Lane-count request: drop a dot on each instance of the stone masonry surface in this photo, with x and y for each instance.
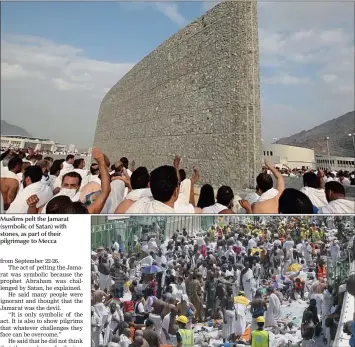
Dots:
(198, 96)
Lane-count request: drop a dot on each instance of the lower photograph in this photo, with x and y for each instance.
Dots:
(185, 281)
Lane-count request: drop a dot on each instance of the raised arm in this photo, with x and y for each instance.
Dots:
(194, 179)
(99, 203)
(176, 164)
(4, 155)
(32, 202)
(320, 174)
(133, 166)
(279, 177)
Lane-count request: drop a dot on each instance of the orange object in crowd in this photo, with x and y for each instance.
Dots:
(299, 285)
(247, 334)
(132, 333)
(321, 272)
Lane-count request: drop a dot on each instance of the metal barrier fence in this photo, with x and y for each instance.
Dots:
(347, 314)
(337, 273)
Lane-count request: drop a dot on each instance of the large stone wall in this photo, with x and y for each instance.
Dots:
(197, 95)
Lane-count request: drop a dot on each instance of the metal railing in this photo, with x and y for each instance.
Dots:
(336, 273)
(347, 313)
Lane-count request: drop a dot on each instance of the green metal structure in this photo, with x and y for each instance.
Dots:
(104, 229)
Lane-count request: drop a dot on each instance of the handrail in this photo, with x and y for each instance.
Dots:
(347, 313)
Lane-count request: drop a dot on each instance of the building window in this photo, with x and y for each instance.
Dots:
(271, 153)
(264, 152)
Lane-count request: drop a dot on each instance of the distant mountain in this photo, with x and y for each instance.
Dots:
(10, 129)
(337, 129)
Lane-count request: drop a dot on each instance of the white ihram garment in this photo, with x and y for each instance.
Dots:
(157, 322)
(110, 327)
(165, 326)
(273, 312)
(214, 209)
(137, 194)
(269, 194)
(148, 205)
(6, 173)
(182, 204)
(105, 281)
(326, 306)
(317, 196)
(66, 168)
(247, 284)
(95, 329)
(115, 197)
(230, 326)
(338, 206)
(83, 173)
(252, 198)
(241, 322)
(43, 192)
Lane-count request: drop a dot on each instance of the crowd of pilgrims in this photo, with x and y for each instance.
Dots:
(225, 286)
(33, 184)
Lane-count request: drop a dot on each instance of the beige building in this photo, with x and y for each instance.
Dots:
(43, 145)
(289, 156)
(335, 163)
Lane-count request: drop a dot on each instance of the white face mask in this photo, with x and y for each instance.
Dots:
(68, 192)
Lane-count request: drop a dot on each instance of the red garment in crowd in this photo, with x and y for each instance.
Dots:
(204, 250)
(154, 285)
(321, 272)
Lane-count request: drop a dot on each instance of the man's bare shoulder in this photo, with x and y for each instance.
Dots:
(124, 206)
(267, 206)
(9, 183)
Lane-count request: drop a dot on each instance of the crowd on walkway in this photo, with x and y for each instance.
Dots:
(260, 281)
(31, 183)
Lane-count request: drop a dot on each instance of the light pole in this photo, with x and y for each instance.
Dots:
(353, 137)
(327, 139)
